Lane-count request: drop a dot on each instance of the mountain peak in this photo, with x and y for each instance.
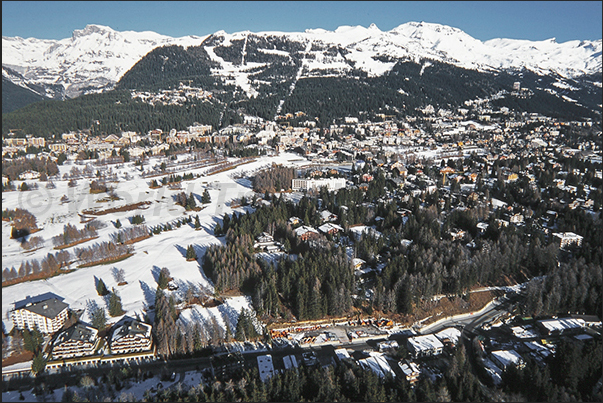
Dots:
(91, 29)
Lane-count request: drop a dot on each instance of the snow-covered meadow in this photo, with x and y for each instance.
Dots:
(166, 249)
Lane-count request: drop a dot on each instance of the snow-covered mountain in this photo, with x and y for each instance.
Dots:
(92, 60)
(95, 58)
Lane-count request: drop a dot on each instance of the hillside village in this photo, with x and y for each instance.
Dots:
(477, 158)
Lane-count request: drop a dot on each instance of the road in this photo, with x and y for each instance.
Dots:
(224, 362)
(470, 321)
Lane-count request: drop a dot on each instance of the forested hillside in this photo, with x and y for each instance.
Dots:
(15, 97)
(114, 110)
(278, 75)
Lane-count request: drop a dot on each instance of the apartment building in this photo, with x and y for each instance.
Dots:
(47, 315)
(131, 336)
(77, 341)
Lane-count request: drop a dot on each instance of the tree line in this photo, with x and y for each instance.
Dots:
(12, 168)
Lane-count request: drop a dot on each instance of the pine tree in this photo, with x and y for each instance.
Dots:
(190, 253)
(38, 364)
(164, 278)
(190, 202)
(115, 307)
(205, 198)
(197, 223)
(99, 319)
(101, 288)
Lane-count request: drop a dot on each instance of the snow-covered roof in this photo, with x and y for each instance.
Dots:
(451, 333)
(290, 361)
(426, 342)
(524, 332)
(325, 228)
(303, 229)
(409, 369)
(342, 353)
(561, 324)
(506, 357)
(377, 363)
(265, 366)
(493, 370)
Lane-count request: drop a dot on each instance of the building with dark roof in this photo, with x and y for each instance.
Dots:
(131, 336)
(77, 341)
(47, 315)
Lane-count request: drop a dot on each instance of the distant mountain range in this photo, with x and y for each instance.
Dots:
(268, 64)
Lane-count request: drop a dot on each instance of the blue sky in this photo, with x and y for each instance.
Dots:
(533, 20)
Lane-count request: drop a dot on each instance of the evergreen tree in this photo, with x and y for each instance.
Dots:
(32, 340)
(205, 198)
(164, 278)
(115, 307)
(99, 319)
(190, 253)
(101, 288)
(38, 364)
(190, 202)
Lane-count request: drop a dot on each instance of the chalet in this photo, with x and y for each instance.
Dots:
(327, 216)
(155, 135)
(330, 228)
(305, 233)
(112, 138)
(457, 234)
(294, 220)
(77, 341)
(131, 336)
(47, 315)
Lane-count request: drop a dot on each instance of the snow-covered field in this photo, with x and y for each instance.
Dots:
(133, 391)
(166, 249)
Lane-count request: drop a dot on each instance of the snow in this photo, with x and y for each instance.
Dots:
(95, 55)
(377, 363)
(99, 55)
(131, 387)
(166, 249)
(506, 357)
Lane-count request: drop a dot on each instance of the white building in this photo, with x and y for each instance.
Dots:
(558, 326)
(309, 184)
(503, 358)
(424, 346)
(567, 238)
(48, 315)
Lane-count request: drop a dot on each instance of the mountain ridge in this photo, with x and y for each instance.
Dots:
(96, 57)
